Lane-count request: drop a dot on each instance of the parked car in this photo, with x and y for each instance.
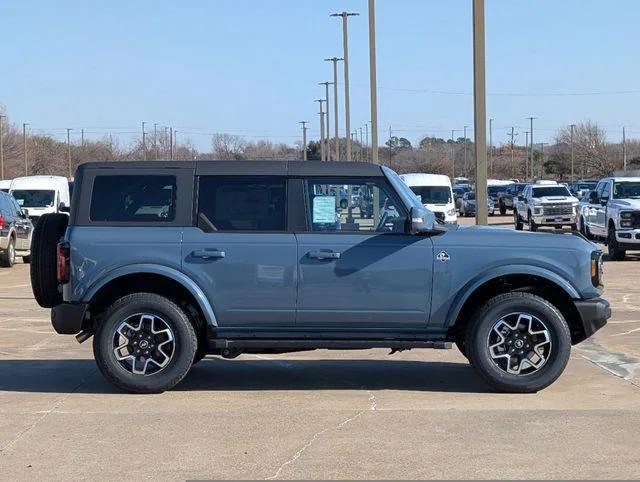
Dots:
(511, 193)
(435, 193)
(5, 184)
(15, 232)
(582, 187)
(545, 203)
(613, 215)
(468, 205)
(38, 195)
(494, 192)
(583, 213)
(165, 262)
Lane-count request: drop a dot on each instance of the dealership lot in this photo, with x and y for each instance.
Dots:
(320, 414)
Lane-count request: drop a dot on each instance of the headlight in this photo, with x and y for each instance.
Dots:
(597, 273)
(625, 215)
(537, 209)
(451, 212)
(626, 224)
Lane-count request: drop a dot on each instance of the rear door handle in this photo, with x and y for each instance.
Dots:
(208, 254)
(323, 255)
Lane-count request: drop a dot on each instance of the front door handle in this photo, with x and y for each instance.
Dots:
(323, 255)
(208, 254)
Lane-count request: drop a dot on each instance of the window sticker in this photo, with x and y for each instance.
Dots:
(324, 209)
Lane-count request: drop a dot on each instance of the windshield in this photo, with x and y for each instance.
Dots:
(471, 196)
(34, 198)
(4, 189)
(493, 190)
(626, 190)
(586, 186)
(433, 194)
(550, 191)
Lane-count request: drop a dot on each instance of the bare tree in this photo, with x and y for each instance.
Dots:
(593, 157)
(228, 146)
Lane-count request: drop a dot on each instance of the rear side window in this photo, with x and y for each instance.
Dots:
(242, 204)
(133, 199)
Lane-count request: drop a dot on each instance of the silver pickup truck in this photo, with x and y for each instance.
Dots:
(163, 263)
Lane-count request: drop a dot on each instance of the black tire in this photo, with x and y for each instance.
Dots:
(343, 203)
(615, 251)
(43, 270)
(200, 355)
(503, 209)
(26, 259)
(574, 227)
(533, 227)
(477, 342)
(185, 343)
(8, 256)
(517, 221)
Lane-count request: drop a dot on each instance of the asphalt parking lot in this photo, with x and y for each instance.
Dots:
(321, 414)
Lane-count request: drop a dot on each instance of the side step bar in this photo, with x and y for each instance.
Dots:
(221, 343)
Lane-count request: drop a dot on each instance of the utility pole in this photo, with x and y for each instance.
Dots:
(480, 111)
(155, 139)
(1, 147)
(531, 119)
(345, 43)
(490, 146)
(541, 168)
(304, 139)
(573, 126)
(24, 148)
(624, 148)
(326, 137)
(336, 138)
(174, 144)
(373, 83)
(466, 169)
(513, 164)
(453, 154)
(321, 114)
(361, 143)
(390, 146)
(69, 151)
(144, 142)
(366, 141)
(171, 143)
(82, 137)
(526, 150)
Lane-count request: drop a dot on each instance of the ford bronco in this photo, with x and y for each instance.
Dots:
(164, 263)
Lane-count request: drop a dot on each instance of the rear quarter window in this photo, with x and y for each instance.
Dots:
(133, 198)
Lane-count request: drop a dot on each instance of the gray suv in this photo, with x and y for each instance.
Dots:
(166, 262)
(15, 232)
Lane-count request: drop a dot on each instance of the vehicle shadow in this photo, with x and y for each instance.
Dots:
(217, 374)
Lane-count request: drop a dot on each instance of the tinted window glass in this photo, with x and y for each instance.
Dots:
(133, 199)
(551, 191)
(34, 198)
(242, 204)
(626, 190)
(433, 194)
(333, 206)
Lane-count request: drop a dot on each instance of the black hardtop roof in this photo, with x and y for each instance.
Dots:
(256, 168)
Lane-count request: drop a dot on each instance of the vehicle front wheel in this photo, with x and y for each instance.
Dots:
(615, 251)
(518, 342)
(503, 209)
(144, 343)
(533, 227)
(8, 256)
(343, 204)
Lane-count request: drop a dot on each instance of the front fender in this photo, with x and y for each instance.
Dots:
(161, 270)
(466, 291)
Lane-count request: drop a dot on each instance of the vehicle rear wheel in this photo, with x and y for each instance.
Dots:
(615, 251)
(145, 343)
(517, 221)
(343, 204)
(518, 342)
(503, 209)
(533, 227)
(8, 256)
(44, 277)
(26, 259)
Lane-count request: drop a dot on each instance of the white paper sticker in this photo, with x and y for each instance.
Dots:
(324, 209)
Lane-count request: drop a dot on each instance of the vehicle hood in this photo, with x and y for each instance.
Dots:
(555, 199)
(626, 203)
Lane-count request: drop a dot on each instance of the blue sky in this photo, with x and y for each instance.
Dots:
(251, 67)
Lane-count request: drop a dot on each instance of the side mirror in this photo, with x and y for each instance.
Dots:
(520, 197)
(24, 212)
(63, 208)
(423, 221)
(593, 197)
(604, 201)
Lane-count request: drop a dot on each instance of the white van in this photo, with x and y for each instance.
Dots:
(434, 191)
(40, 195)
(5, 185)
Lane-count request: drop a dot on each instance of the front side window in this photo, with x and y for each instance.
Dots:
(34, 198)
(130, 198)
(626, 190)
(333, 206)
(432, 194)
(242, 203)
(606, 192)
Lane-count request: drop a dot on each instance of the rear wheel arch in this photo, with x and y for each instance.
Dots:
(560, 296)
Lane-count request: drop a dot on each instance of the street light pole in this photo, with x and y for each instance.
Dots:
(144, 142)
(526, 150)
(24, 147)
(1, 147)
(466, 169)
(490, 146)
(304, 139)
(345, 44)
(326, 137)
(624, 148)
(321, 113)
(155, 139)
(453, 154)
(69, 151)
(480, 111)
(531, 119)
(366, 141)
(572, 126)
(373, 83)
(336, 139)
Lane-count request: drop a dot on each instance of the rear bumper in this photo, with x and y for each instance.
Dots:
(594, 314)
(68, 318)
